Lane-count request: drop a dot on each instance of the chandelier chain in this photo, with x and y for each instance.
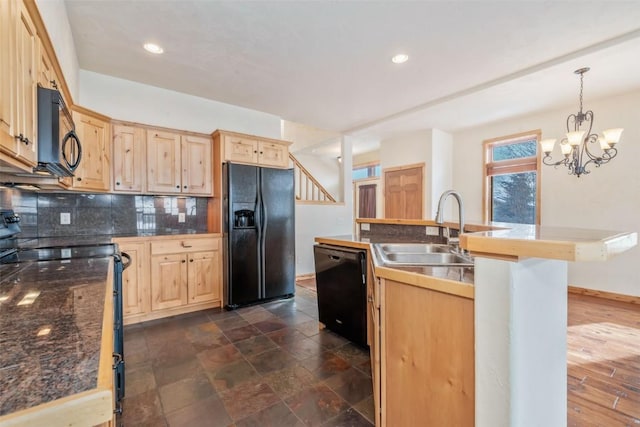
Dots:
(581, 88)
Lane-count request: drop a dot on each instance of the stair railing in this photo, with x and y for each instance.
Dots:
(308, 189)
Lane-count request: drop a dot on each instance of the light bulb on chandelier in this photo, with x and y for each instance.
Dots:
(575, 146)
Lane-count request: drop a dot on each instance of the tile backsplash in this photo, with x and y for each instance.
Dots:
(100, 214)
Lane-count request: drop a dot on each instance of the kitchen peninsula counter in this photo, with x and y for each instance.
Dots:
(56, 342)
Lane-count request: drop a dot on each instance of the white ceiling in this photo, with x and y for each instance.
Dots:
(327, 63)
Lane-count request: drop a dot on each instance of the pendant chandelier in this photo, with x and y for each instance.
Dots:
(575, 146)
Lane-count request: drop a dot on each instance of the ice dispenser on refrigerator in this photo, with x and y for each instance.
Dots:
(244, 218)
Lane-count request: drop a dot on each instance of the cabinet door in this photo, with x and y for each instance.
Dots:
(46, 74)
(163, 162)
(270, 154)
(135, 283)
(239, 149)
(196, 165)
(94, 169)
(168, 281)
(7, 69)
(128, 162)
(204, 276)
(24, 103)
(428, 373)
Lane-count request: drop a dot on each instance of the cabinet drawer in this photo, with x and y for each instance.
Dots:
(184, 245)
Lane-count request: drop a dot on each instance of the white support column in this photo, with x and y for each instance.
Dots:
(521, 343)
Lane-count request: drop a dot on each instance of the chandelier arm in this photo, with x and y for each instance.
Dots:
(592, 139)
(547, 160)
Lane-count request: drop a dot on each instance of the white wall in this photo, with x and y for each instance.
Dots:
(324, 169)
(440, 174)
(137, 102)
(608, 198)
(54, 16)
(324, 220)
(368, 157)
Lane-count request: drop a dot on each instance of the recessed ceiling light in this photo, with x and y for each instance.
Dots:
(400, 58)
(153, 48)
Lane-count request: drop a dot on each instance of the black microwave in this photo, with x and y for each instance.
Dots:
(59, 149)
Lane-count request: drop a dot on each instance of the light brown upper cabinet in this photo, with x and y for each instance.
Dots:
(47, 76)
(128, 158)
(254, 150)
(179, 163)
(8, 144)
(196, 162)
(94, 132)
(403, 192)
(18, 81)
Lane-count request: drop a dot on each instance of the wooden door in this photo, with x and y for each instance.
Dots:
(203, 281)
(197, 177)
(403, 193)
(427, 373)
(128, 162)
(239, 149)
(7, 76)
(168, 281)
(135, 280)
(24, 102)
(94, 170)
(163, 162)
(270, 154)
(367, 201)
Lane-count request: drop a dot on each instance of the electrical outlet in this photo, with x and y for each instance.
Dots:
(365, 227)
(433, 231)
(65, 218)
(181, 217)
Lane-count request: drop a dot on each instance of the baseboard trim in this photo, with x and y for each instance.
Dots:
(307, 276)
(605, 295)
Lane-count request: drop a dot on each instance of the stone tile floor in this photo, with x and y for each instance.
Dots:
(266, 365)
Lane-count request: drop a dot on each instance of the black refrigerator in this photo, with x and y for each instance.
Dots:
(260, 234)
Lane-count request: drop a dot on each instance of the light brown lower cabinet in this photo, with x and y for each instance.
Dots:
(426, 357)
(135, 279)
(171, 276)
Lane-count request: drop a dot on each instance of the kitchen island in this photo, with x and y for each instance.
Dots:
(519, 315)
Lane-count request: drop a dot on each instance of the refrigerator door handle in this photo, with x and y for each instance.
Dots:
(259, 225)
(264, 222)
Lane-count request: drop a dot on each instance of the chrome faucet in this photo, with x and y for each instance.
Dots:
(440, 214)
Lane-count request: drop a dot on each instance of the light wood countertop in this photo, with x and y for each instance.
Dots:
(547, 242)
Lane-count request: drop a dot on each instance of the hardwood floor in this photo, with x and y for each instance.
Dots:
(603, 363)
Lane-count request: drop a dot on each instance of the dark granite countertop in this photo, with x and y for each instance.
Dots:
(51, 316)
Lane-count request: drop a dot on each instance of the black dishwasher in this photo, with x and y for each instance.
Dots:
(342, 291)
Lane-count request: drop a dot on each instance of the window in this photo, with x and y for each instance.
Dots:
(512, 179)
(366, 171)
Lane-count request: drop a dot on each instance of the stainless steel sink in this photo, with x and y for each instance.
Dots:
(414, 248)
(421, 254)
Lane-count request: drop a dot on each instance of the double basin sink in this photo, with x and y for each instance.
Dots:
(420, 254)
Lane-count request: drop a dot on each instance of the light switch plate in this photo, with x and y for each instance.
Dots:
(433, 231)
(181, 217)
(65, 218)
